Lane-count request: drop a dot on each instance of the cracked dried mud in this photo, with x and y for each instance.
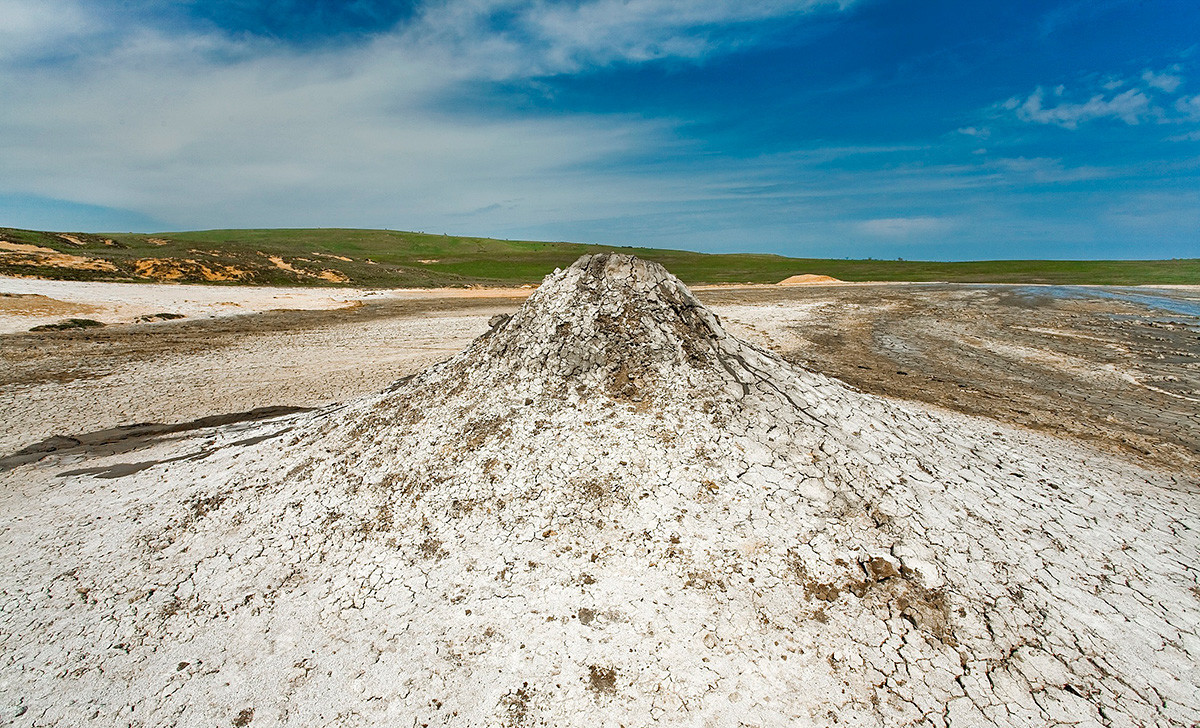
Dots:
(614, 508)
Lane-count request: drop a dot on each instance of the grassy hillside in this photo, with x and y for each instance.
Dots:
(385, 258)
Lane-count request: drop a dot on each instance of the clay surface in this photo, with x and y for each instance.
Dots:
(607, 510)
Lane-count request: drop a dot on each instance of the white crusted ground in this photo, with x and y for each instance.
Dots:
(606, 512)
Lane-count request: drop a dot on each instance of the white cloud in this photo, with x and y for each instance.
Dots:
(1130, 106)
(203, 129)
(1043, 171)
(1167, 82)
(1145, 99)
(31, 29)
(540, 37)
(1189, 106)
(602, 31)
(905, 227)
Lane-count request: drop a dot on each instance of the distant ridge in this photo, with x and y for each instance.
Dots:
(394, 259)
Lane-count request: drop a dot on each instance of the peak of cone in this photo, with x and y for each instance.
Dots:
(620, 271)
(610, 321)
(611, 281)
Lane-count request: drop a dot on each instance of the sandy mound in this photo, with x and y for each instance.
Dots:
(606, 511)
(806, 279)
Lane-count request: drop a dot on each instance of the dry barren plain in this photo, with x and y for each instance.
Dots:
(1118, 368)
(619, 504)
(612, 502)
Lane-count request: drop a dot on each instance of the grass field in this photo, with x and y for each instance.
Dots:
(386, 258)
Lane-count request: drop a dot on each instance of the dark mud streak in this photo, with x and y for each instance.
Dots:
(120, 470)
(128, 438)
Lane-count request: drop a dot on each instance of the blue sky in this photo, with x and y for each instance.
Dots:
(853, 128)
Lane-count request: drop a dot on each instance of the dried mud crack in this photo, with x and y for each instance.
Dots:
(606, 511)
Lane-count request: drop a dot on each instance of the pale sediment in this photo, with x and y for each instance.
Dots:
(607, 511)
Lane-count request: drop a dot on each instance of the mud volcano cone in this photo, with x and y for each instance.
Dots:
(609, 511)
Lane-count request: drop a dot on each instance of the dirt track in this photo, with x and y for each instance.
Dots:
(1115, 373)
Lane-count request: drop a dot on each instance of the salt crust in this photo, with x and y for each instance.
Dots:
(605, 512)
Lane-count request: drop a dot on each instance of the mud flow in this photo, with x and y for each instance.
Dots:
(1116, 367)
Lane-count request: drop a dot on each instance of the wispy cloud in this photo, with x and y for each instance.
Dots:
(1046, 171)
(602, 31)
(974, 131)
(1164, 81)
(30, 30)
(1189, 106)
(197, 126)
(501, 39)
(1131, 106)
(204, 119)
(1145, 99)
(905, 227)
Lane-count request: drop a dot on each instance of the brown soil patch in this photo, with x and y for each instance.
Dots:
(34, 255)
(806, 279)
(328, 275)
(333, 276)
(164, 269)
(6, 247)
(79, 242)
(602, 679)
(33, 304)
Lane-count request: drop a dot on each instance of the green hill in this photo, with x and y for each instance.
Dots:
(386, 258)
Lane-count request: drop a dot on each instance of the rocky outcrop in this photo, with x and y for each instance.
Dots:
(607, 511)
